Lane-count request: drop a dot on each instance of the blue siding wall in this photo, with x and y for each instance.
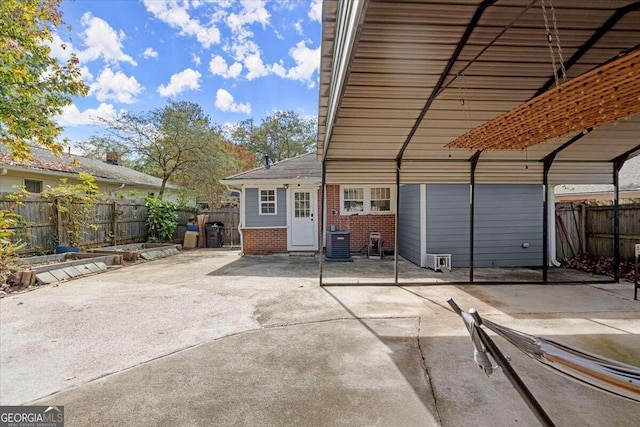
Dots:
(409, 223)
(252, 216)
(448, 221)
(506, 217)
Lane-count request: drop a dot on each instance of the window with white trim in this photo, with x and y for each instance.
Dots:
(353, 200)
(268, 202)
(364, 200)
(33, 186)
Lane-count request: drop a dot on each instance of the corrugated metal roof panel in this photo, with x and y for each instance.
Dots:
(458, 172)
(581, 173)
(402, 49)
(361, 172)
(501, 172)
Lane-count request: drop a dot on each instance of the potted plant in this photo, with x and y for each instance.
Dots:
(73, 211)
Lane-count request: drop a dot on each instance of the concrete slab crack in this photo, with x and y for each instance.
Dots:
(426, 372)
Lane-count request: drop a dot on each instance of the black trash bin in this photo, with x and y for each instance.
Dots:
(213, 231)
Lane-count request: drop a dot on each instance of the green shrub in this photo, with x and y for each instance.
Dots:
(162, 219)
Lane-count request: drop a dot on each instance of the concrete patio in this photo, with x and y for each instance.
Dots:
(209, 338)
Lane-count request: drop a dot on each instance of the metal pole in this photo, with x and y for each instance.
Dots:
(395, 249)
(502, 361)
(617, 165)
(511, 374)
(472, 199)
(321, 217)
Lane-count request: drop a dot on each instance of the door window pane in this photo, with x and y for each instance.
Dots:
(302, 205)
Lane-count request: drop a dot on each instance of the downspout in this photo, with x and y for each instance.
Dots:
(472, 209)
(545, 218)
(243, 204)
(553, 250)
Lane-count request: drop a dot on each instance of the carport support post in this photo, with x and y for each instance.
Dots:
(617, 165)
(323, 195)
(545, 218)
(472, 200)
(395, 248)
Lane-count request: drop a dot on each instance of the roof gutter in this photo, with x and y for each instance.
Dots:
(60, 174)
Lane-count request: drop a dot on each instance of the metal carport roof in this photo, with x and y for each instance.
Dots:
(400, 80)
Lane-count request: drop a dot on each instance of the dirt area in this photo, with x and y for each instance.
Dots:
(600, 265)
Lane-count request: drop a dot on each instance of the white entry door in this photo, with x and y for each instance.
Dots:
(303, 226)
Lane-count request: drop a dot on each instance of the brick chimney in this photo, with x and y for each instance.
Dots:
(114, 158)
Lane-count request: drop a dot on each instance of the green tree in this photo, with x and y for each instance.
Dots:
(34, 86)
(281, 135)
(163, 141)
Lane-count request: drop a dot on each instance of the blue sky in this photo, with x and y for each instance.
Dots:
(236, 58)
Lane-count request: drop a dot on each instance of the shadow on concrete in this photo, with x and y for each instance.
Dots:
(451, 385)
(270, 266)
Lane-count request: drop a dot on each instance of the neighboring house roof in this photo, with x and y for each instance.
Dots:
(629, 182)
(44, 161)
(303, 167)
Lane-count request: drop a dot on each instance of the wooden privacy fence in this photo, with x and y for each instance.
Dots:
(581, 228)
(113, 223)
(229, 216)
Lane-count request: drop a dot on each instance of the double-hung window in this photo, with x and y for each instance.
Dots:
(268, 202)
(364, 200)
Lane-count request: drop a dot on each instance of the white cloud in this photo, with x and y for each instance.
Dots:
(177, 16)
(256, 68)
(72, 116)
(218, 67)
(86, 74)
(226, 102)
(116, 86)
(149, 53)
(187, 79)
(60, 49)
(196, 59)
(240, 48)
(252, 11)
(102, 41)
(298, 27)
(315, 11)
(307, 62)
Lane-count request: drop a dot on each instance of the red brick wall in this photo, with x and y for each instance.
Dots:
(359, 225)
(264, 241)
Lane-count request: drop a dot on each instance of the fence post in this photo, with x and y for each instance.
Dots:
(583, 229)
(114, 222)
(62, 238)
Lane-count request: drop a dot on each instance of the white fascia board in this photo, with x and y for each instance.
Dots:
(239, 183)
